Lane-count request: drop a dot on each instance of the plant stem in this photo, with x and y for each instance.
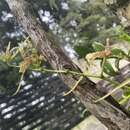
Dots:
(71, 72)
(11, 65)
(74, 87)
(124, 100)
(114, 90)
(66, 72)
(19, 86)
(115, 83)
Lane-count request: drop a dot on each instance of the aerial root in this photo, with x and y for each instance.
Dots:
(74, 87)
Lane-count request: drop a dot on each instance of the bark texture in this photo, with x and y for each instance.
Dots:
(108, 114)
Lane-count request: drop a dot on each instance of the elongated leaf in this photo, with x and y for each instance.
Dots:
(124, 36)
(118, 53)
(124, 100)
(98, 46)
(108, 69)
(117, 63)
(128, 53)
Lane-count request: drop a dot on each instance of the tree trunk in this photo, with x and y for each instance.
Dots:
(113, 117)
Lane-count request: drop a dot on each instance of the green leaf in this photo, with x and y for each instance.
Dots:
(98, 46)
(108, 69)
(117, 63)
(118, 53)
(125, 99)
(124, 36)
(128, 53)
(83, 50)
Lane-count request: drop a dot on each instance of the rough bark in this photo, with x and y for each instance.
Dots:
(108, 114)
